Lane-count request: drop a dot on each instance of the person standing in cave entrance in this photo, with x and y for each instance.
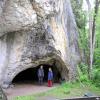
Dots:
(40, 75)
(50, 77)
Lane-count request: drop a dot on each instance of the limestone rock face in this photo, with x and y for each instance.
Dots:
(16, 15)
(34, 32)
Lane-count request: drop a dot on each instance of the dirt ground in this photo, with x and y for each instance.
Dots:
(26, 89)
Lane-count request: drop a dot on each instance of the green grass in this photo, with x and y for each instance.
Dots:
(24, 98)
(67, 90)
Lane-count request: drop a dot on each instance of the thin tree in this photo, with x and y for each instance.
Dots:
(92, 25)
(90, 40)
(94, 22)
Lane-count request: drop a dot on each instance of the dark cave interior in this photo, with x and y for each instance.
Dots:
(30, 74)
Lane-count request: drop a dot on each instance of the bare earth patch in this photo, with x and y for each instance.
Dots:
(26, 89)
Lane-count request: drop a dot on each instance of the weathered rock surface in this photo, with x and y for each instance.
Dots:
(34, 32)
(2, 95)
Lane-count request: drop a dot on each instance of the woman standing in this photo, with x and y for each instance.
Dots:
(50, 77)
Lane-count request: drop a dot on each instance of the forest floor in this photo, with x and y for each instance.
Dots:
(23, 89)
(35, 92)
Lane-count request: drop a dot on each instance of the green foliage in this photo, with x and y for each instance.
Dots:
(97, 43)
(81, 20)
(83, 67)
(97, 58)
(83, 76)
(79, 14)
(96, 77)
(82, 72)
(24, 98)
(96, 62)
(66, 90)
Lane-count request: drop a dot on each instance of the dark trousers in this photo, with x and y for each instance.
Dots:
(40, 80)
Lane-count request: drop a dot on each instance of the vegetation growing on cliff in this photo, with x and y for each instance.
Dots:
(89, 39)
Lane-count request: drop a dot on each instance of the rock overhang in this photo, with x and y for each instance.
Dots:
(23, 14)
(33, 34)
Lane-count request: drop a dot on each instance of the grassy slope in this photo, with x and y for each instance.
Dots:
(68, 90)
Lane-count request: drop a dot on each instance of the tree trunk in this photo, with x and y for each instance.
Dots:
(90, 39)
(94, 22)
(92, 33)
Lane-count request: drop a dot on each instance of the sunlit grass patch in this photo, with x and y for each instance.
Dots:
(67, 90)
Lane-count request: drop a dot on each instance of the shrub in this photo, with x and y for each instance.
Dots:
(83, 67)
(96, 77)
(84, 78)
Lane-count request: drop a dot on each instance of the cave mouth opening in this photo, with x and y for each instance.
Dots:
(30, 75)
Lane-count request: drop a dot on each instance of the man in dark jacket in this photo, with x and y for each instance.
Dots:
(40, 75)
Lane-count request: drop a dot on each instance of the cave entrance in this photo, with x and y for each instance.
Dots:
(30, 75)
